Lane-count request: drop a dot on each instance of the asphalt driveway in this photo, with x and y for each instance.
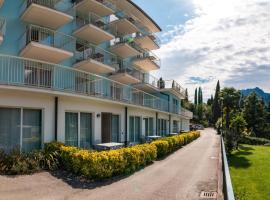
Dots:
(182, 175)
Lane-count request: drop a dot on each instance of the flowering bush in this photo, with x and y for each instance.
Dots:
(105, 164)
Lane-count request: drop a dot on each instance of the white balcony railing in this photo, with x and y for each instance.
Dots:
(29, 73)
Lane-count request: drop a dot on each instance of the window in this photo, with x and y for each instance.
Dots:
(78, 129)
(162, 127)
(115, 128)
(175, 126)
(149, 126)
(134, 129)
(20, 128)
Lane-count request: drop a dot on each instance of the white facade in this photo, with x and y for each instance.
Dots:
(46, 102)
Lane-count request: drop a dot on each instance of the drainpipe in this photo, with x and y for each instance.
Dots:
(126, 125)
(55, 118)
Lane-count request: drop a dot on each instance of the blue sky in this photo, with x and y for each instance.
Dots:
(207, 40)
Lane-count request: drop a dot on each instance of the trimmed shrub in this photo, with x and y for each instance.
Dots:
(162, 147)
(254, 140)
(105, 164)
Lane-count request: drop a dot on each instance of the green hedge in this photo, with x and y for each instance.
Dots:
(169, 144)
(254, 141)
(92, 164)
(105, 164)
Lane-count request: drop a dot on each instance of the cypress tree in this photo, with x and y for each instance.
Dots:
(196, 97)
(186, 95)
(216, 109)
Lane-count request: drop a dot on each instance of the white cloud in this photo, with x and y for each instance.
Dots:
(228, 40)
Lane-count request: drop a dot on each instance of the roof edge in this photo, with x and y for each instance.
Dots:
(141, 10)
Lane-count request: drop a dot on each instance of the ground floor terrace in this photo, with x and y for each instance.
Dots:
(29, 118)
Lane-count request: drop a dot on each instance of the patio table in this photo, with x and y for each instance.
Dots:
(109, 146)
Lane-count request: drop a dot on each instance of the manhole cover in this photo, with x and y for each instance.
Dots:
(208, 195)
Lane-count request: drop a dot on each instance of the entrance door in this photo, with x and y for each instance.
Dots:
(106, 127)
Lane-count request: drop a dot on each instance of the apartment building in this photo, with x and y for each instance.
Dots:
(78, 71)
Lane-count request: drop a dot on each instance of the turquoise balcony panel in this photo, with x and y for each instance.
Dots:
(21, 72)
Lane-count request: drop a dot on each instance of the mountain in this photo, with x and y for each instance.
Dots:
(259, 92)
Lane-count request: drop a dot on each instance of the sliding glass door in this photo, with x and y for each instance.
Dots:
(148, 126)
(10, 123)
(134, 129)
(71, 129)
(20, 129)
(78, 129)
(85, 130)
(31, 135)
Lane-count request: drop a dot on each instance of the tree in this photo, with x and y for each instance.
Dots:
(230, 100)
(255, 115)
(238, 128)
(196, 97)
(210, 101)
(186, 95)
(200, 104)
(216, 104)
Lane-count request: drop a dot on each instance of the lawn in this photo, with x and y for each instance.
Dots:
(250, 172)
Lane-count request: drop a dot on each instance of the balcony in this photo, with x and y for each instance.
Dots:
(124, 26)
(92, 28)
(186, 113)
(1, 3)
(149, 83)
(95, 60)
(46, 45)
(27, 74)
(149, 42)
(147, 61)
(2, 29)
(100, 7)
(127, 76)
(173, 87)
(124, 48)
(46, 13)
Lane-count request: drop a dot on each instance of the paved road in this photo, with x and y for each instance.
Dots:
(182, 175)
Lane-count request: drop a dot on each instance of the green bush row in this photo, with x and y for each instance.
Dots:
(254, 141)
(105, 164)
(92, 164)
(169, 144)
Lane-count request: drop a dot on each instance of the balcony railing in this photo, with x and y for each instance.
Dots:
(133, 20)
(149, 79)
(47, 37)
(150, 55)
(21, 72)
(58, 5)
(89, 51)
(91, 18)
(172, 84)
(186, 113)
(152, 36)
(2, 26)
(127, 40)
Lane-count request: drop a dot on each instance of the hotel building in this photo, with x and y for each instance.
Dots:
(78, 71)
